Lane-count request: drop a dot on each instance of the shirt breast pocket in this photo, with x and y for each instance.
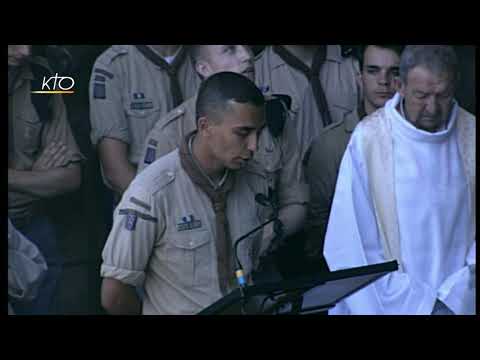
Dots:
(190, 256)
(342, 112)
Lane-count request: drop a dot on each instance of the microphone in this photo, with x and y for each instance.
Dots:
(239, 274)
(263, 200)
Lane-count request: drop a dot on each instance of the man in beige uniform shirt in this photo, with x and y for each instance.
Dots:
(323, 83)
(43, 163)
(276, 166)
(175, 227)
(132, 86)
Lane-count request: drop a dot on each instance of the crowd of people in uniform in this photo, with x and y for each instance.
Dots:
(348, 158)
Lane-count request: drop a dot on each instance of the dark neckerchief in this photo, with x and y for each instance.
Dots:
(312, 74)
(361, 111)
(171, 69)
(219, 203)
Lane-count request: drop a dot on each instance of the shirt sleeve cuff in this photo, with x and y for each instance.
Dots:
(121, 136)
(296, 194)
(129, 277)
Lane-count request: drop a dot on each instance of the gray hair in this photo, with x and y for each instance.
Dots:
(440, 59)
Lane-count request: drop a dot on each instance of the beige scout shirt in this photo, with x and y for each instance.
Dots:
(131, 88)
(276, 163)
(339, 77)
(28, 135)
(163, 237)
(322, 171)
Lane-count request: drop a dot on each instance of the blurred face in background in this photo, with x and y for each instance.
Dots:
(219, 58)
(18, 54)
(379, 76)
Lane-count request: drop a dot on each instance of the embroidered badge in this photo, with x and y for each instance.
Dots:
(142, 105)
(150, 155)
(133, 215)
(189, 223)
(99, 91)
(264, 89)
(138, 96)
(131, 221)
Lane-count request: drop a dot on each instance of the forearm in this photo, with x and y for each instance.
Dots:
(316, 225)
(119, 298)
(45, 184)
(117, 168)
(120, 177)
(293, 218)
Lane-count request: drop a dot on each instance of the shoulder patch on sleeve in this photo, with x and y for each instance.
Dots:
(150, 155)
(103, 72)
(99, 91)
(140, 203)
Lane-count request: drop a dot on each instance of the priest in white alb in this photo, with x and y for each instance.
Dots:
(406, 192)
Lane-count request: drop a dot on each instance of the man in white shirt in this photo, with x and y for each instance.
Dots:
(406, 191)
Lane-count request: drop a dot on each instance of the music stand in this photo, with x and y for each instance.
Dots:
(305, 295)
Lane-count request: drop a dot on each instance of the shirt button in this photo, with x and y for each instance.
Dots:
(191, 243)
(169, 174)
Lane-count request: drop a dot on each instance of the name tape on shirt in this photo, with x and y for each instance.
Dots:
(189, 223)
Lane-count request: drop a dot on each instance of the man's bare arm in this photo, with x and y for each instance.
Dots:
(117, 169)
(45, 183)
(119, 298)
(293, 218)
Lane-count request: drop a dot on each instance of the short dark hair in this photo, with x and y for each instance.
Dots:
(216, 91)
(398, 49)
(437, 58)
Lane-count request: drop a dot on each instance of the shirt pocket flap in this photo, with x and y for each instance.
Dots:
(191, 240)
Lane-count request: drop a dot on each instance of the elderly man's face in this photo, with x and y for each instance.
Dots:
(18, 54)
(234, 58)
(428, 98)
(380, 69)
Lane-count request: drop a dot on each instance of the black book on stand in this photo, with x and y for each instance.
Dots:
(306, 295)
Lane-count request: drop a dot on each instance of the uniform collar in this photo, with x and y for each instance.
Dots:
(159, 61)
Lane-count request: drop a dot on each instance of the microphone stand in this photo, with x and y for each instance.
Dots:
(239, 272)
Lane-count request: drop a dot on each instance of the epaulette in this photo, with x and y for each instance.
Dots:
(171, 116)
(109, 55)
(158, 175)
(350, 50)
(162, 180)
